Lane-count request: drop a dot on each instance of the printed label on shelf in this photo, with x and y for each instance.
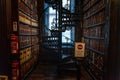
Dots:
(15, 70)
(15, 26)
(14, 44)
(14, 47)
(79, 49)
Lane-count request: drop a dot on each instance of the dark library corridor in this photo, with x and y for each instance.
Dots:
(59, 39)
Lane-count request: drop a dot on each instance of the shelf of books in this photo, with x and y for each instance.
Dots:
(94, 20)
(24, 40)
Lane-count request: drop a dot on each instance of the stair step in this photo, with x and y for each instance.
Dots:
(70, 69)
(65, 10)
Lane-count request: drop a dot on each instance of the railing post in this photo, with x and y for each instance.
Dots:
(60, 28)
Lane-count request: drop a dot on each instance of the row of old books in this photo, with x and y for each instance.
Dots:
(94, 17)
(27, 42)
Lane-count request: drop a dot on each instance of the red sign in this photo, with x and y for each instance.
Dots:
(15, 70)
(14, 44)
(80, 46)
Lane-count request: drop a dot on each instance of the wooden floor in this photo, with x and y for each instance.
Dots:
(49, 72)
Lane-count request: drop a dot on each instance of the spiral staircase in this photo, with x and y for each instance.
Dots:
(62, 53)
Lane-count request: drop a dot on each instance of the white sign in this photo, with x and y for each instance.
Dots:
(79, 49)
(15, 26)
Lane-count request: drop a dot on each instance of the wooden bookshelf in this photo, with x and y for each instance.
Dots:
(94, 20)
(25, 28)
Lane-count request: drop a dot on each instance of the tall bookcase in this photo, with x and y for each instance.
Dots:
(94, 33)
(24, 39)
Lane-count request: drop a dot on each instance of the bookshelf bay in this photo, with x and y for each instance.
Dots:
(25, 28)
(94, 21)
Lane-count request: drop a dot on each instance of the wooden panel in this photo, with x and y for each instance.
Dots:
(114, 43)
(4, 36)
(78, 26)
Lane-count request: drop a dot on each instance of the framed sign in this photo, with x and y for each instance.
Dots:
(2, 77)
(79, 49)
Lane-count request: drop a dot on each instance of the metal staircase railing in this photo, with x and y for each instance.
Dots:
(66, 20)
(52, 39)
